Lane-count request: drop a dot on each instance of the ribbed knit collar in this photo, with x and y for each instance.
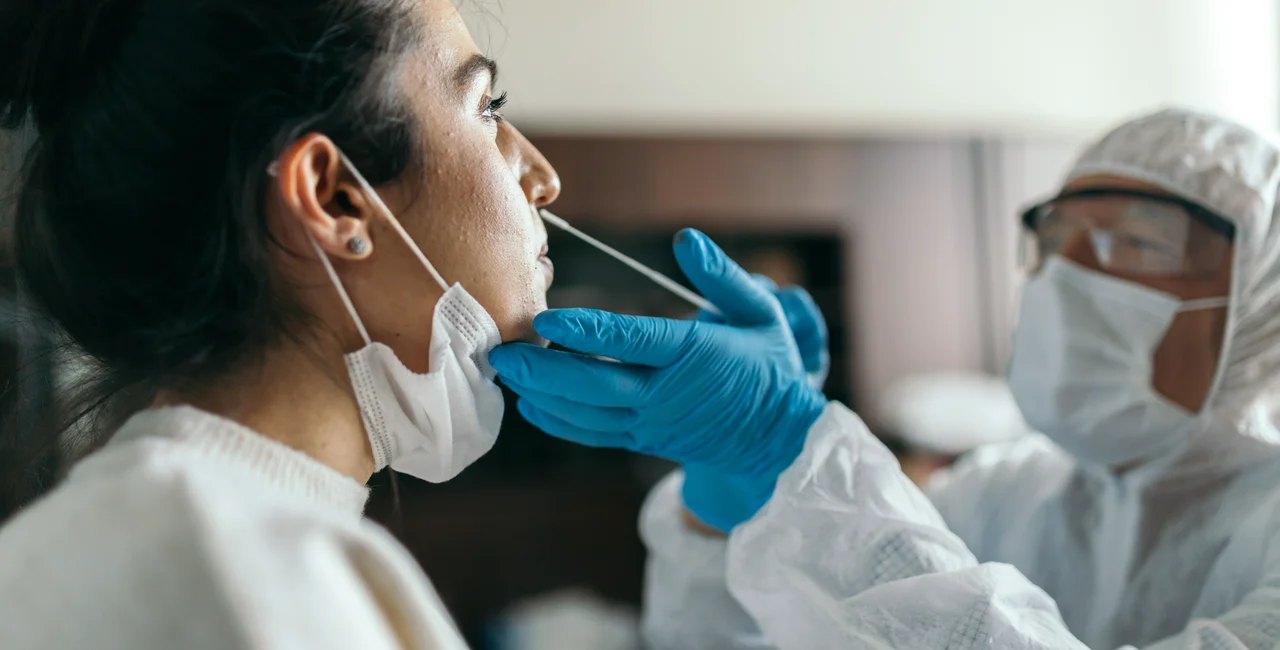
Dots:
(222, 440)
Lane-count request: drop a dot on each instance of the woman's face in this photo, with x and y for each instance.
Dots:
(472, 210)
(1186, 361)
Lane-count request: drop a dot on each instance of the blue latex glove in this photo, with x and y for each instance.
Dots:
(729, 398)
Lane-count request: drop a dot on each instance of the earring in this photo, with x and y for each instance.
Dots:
(358, 245)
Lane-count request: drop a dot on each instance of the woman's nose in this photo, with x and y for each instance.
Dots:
(538, 179)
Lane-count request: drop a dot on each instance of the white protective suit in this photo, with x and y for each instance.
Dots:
(1020, 545)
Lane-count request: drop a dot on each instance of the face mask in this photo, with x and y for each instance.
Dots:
(430, 426)
(1082, 364)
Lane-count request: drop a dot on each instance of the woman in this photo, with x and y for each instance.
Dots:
(1148, 353)
(197, 214)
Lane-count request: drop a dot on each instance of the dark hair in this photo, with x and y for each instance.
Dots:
(139, 227)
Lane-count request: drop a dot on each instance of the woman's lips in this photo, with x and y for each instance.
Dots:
(548, 267)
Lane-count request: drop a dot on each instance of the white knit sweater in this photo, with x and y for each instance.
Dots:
(190, 531)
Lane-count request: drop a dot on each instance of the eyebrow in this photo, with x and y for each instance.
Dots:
(476, 65)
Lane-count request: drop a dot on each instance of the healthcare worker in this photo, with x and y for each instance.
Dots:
(1147, 515)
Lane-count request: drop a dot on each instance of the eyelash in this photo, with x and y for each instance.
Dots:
(493, 108)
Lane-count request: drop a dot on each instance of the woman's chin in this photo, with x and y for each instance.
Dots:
(529, 336)
(523, 331)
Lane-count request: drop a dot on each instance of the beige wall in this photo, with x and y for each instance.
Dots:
(866, 66)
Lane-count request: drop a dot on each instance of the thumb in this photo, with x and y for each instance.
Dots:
(743, 300)
(807, 326)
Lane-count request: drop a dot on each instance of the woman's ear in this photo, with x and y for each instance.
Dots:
(318, 193)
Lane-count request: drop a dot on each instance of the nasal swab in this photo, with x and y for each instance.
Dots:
(662, 280)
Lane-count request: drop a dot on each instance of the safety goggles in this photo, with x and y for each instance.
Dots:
(1127, 231)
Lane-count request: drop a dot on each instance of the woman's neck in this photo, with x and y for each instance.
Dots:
(292, 398)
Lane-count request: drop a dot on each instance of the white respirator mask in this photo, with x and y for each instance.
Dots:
(1082, 364)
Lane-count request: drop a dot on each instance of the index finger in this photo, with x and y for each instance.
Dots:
(574, 377)
(644, 340)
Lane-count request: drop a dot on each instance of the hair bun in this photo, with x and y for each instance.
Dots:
(48, 49)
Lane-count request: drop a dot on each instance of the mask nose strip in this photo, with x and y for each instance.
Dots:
(1103, 245)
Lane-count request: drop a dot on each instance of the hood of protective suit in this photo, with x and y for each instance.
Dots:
(1234, 171)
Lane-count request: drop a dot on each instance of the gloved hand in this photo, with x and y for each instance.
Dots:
(730, 398)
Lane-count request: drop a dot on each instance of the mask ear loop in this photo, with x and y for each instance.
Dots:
(333, 276)
(342, 292)
(391, 218)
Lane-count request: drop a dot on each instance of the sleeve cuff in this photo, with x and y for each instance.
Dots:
(664, 532)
